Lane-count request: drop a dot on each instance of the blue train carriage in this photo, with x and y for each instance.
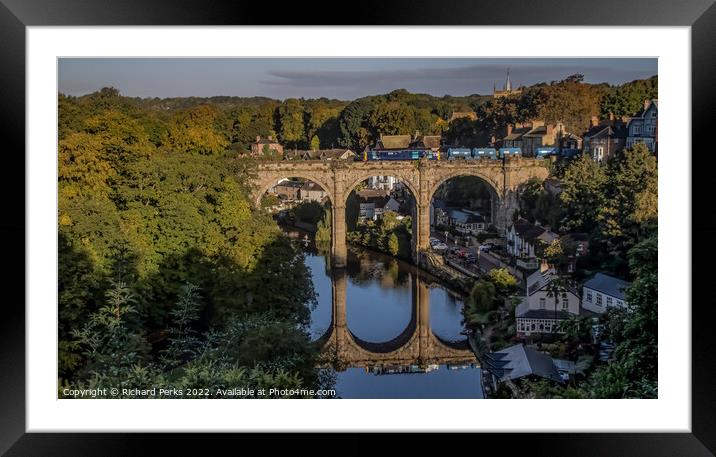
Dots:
(543, 152)
(459, 153)
(400, 154)
(433, 155)
(484, 153)
(506, 153)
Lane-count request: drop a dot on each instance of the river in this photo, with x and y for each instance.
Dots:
(392, 330)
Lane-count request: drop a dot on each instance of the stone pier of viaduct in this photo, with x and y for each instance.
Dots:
(338, 178)
(415, 345)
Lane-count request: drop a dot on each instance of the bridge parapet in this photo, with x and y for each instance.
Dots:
(339, 177)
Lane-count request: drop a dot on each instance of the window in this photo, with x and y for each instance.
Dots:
(565, 303)
(542, 303)
(636, 129)
(620, 303)
(599, 299)
(609, 301)
(598, 153)
(589, 296)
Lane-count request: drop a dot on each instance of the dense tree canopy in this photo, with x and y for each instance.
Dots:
(140, 219)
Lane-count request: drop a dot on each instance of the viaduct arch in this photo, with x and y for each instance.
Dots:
(417, 344)
(339, 177)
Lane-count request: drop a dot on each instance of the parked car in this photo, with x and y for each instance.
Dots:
(441, 247)
(484, 248)
(434, 241)
(470, 257)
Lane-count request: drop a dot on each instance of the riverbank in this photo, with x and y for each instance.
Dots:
(436, 266)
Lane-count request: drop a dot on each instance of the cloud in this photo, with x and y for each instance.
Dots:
(456, 80)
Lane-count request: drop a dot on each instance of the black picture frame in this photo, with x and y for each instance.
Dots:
(16, 15)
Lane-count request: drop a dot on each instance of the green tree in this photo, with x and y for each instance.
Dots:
(289, 116)
(630, 209)
(315, 143)
(482, 297)
(583, 193)
(628, 99)
(197, 131)
(633, 372)
(324, 232)
(393, 244)
(502, 279)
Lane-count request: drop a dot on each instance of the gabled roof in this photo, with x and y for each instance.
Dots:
(518, 361)
(649, 104)
(608, 285)
(521, 225)
(372, 193)
(465, 217)
(537, 131)
(393, 142)
(318, 154)
(427, 141)
(312, 186)
(614, 129)
(539, 279)
(517, 133)
(289, 183)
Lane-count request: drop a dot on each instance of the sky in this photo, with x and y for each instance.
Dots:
(341, 78)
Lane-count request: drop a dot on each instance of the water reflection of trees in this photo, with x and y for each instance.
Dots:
(365, 267)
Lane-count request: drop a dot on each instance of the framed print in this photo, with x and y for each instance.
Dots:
(457, 219)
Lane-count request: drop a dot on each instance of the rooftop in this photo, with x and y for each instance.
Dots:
(393, 142)
(464, 217)
(538, 279)
(518, 361)
(517, 133)
(609, 285)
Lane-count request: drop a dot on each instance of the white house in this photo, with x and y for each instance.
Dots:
(466, 221)
(523, 237)
(373, 203)
(543, 308)
(382, 182)
(310, 191)
(603, 291)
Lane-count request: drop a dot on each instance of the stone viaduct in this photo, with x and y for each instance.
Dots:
(416, 345)
(339, 177)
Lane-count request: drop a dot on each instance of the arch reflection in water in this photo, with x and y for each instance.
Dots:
(415, 349)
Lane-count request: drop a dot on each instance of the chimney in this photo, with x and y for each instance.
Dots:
(611, 116)
(646, 104)
(270, 138)
(258, 138)
(594, 122)
(509, 129)
(550, 129)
